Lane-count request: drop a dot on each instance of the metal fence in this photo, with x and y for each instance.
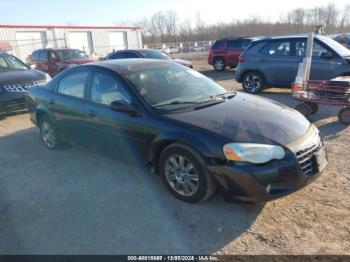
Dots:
(181, 48)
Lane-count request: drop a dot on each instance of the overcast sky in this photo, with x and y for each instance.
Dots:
(110, 12)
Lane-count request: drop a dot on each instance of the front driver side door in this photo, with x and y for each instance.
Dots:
(117, 133)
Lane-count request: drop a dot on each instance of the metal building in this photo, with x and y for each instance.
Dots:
(99, 40)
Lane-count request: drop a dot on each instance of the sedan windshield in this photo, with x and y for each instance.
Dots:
(153, 54)
(172, 85)
(70, 54)
(11, 63)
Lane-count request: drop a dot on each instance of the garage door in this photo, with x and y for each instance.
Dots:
(117, 40)
(27, 42)
(81, 41)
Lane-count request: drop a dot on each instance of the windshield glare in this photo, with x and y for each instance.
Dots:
(173, 83)
(10, 63)
(154, 54)
(338, 48)
(70, 54)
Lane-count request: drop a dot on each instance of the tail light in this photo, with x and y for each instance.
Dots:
(241, 59)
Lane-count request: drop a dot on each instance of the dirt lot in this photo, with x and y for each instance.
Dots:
(78, 202)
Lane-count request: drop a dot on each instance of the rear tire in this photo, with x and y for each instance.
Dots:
(344, 116)
(49, 134)
(219, 64)
(183, 173)
(253, 82)
(304, 109)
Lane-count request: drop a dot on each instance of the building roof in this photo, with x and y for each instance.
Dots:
(70, 27)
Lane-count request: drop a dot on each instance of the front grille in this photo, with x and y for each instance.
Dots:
(16, 88)
(307, 159)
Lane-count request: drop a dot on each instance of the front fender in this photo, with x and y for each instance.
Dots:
(206, 146)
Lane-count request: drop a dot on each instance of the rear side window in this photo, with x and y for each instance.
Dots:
(118, 55)
(130, 55)
(246, 43)
(35, 55)
(277, 48)
(217, 44)
(43, 55)
(234, 44)
(73, 84)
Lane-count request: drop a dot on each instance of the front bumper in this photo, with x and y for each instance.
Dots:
(275, 179)
(12, 103)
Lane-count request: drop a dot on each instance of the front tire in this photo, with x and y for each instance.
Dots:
(253, 82)
(49, 134)
(182, 171)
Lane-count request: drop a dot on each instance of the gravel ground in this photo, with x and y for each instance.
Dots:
(38, 215)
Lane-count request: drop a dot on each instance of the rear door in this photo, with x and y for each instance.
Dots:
(234, 49)
(68, 105)
(43, 62)
(53, 64)
(279, 63)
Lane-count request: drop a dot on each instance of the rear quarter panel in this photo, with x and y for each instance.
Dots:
(37, 102)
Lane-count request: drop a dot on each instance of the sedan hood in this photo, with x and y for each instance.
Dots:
(21, 77)
(248, 118)
(80, 61)
(182, 61)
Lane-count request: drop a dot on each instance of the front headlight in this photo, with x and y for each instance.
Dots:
(253, 153)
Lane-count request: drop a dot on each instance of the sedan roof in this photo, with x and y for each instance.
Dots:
(126, 66)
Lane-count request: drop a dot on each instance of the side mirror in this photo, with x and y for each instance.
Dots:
(121, 106)
(327, 55)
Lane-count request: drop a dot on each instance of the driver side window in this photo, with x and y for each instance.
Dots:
(105, 89)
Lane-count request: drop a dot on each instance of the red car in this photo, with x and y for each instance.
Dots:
(225, 52)
(53, 61)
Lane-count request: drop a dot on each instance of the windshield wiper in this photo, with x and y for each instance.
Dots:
(214, 97)
(174, 103)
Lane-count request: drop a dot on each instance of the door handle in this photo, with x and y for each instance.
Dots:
(92, 113)
(52, 101)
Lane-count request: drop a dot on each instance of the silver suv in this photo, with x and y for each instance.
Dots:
(274, 61)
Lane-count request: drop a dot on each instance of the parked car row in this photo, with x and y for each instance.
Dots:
(197, 136)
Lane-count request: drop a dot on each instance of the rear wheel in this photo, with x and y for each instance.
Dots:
(182, 172)
(304, 109)
(344, 116)
(49, 133)
(219, 64)
(253, 82)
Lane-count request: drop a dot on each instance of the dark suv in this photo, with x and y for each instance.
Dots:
(53, 61)
(274, 61)
(225, 52)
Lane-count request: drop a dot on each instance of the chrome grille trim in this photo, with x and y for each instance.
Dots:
(23, 88)
(305, 148)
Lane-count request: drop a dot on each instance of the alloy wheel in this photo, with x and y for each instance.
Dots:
(48, 134)
(219, 64)
(252, 83)
(182, 175)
